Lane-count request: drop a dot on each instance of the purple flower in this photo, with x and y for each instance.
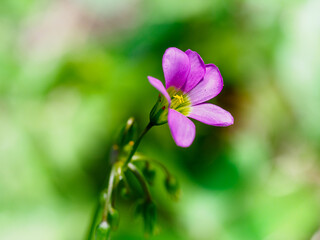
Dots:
(189, 84)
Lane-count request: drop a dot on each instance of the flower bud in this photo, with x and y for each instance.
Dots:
(128, 133)
(103, 196)
(113, 218)
(172, 187)
(148, 210)
(149, 174)
(103, 231)
(159, 112)
(125, 192)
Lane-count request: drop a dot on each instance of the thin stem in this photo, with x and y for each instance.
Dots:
(153, 161)
(126, 184)
(141, 179)
(136, 172)
(106, 206)
(136, 144)
(109, 193)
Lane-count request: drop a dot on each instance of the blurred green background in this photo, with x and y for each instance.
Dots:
(72, 72)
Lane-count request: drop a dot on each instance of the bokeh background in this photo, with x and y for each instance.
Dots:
(73, 71)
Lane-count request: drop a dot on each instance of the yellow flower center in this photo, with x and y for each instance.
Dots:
(179, 97)
(179, 101)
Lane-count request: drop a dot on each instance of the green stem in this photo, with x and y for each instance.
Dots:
(111, 183)
(136, 144)
(106, 206)
(142, 159)
(109, 193)
(141, 179)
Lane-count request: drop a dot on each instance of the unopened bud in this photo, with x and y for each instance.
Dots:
(149, 174)
(148, 210)
(159, 112)
(172, 187)
(113, 218)
(125, 193)
(103, 231)
(103, 196)
(128, 133)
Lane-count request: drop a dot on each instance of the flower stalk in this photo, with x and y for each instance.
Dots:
(107, 204)
(106, 216)
(152, 161)
(141, 179)
(136, 144)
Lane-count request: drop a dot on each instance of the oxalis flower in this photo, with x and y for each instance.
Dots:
(189, 84)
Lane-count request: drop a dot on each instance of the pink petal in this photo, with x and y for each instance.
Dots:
(159, 86)
(182, 129)
(211, 114)
(209, 87)
(197, 70)
(176, 67)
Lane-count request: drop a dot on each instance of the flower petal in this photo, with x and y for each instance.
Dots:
(159, 86)
(197, 70)
(182, 129)
(176, 67)
(209, 87)
(211, 114)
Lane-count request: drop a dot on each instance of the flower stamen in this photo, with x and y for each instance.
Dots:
(179, 97)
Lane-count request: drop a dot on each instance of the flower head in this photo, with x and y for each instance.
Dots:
(189, 84)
